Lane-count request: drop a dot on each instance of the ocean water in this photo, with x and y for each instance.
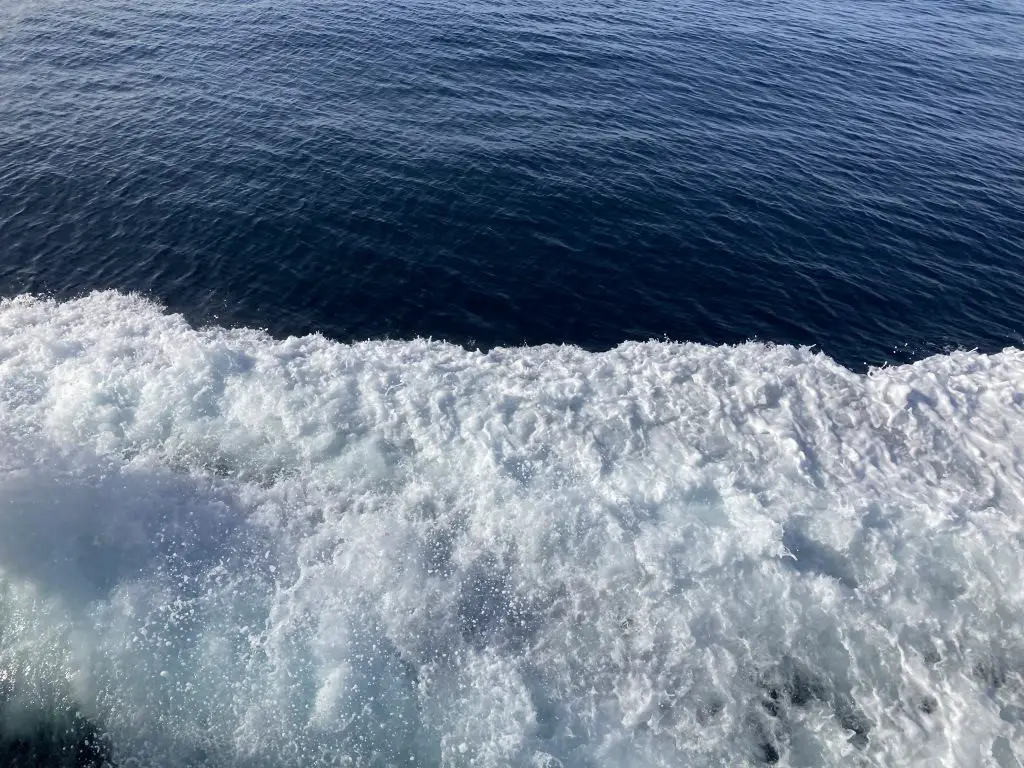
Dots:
(843, 173)
(511, 383)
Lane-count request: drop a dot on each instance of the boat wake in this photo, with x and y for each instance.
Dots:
(218, 548)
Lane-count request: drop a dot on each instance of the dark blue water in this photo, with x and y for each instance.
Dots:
(846, 173)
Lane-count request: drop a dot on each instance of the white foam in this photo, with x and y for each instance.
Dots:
(231, 550)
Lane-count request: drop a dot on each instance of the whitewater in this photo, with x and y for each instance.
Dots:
(218, 548)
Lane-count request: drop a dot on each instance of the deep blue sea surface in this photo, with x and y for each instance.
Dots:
(846, 173)
(521, 384)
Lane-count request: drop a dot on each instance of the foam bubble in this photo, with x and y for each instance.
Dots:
(217, 548)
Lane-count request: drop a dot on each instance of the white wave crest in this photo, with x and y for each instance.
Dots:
(224, 549)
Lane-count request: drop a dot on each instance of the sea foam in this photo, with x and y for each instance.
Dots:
(218, 548)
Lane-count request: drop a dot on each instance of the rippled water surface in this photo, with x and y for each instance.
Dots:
(847, 173)
(226, 548)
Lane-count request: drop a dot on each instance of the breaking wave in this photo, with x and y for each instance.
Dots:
(218, 548)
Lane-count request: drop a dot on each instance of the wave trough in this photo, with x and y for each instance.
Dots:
(218, 548)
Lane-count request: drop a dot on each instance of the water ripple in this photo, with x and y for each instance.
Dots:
(848, 174)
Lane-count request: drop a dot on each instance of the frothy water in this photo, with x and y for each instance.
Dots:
(218, 548)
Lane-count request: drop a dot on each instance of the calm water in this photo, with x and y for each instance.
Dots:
(846, 173)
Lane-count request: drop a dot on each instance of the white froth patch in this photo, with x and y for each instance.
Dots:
(230, 550)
